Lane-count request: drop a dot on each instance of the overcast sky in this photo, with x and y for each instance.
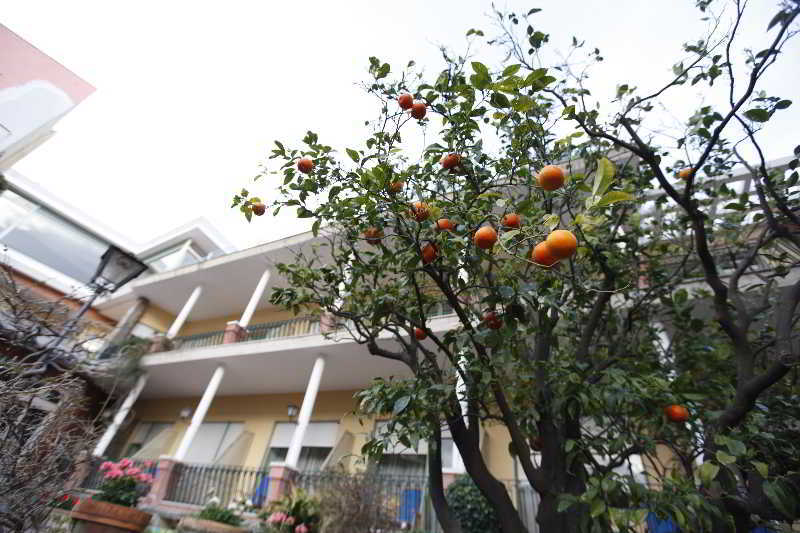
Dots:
(191, 94)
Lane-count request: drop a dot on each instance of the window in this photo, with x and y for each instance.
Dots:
(318, 442)
(212, 440)
(398, 460)
(145, 432)
(174, 257)
(45, 236)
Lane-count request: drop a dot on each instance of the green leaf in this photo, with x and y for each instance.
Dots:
(569, 445)
(551, 221)
(757, 115)
(480, 68)
(511, 70)
(603, 176)
(783, 104)
(353, 155)
(473, 31)
(724, 458)
(315, 227)
(499, 100)
(400, 404)
(707, 472)
(508, 235)
(564, 504)
(777, 497)
(598, 508)
(523, 104)
(737, 448)
(614, 197)
(762, 468)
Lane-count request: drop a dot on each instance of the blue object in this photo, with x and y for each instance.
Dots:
(261, 492)
(412, 498)
(761, 529)
(656, 525)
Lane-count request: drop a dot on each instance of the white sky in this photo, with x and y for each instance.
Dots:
(191, 94)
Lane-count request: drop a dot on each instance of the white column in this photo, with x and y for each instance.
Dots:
(119, 417)
(254, 299)
(184, 314)
(461, 393)
(200, 412)
(304, 416)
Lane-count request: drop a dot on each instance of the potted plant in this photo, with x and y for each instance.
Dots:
(294, 513)
(214, 518)
(113, 509)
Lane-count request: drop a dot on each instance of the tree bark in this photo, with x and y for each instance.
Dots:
(444, 515)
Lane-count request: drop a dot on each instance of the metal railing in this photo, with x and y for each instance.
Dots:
(201, 340)
(293, 327)
(197, 483)
(94, 477)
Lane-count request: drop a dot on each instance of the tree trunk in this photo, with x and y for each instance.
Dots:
(490, 487)
(444, 515)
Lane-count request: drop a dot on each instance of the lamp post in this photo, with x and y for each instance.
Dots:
(116, 268)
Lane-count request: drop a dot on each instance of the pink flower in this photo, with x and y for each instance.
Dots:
(302, 528)
(107, 465)
(277, 518)
(133, 471)
(114, 473)
(148, 464)
(125, 463)
(145, 478)
(289, 521)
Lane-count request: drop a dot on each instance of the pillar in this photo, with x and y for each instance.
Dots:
(200, 412)
(126, 324)
(119, 417)
(184, 314)
(161, 481)
(304, 416)
(254, 299)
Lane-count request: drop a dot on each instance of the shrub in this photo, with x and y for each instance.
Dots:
(294, 513)
(123, 483)
(352, 503)
(216, 513)
(471, 508)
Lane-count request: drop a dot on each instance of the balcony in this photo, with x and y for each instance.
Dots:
(295, 327)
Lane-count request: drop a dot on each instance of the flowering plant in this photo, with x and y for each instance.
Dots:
(123, 483)
(295, 513)
(231, 515)
(66, 501)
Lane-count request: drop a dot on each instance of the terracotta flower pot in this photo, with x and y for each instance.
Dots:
(92, 516)
(198, 525)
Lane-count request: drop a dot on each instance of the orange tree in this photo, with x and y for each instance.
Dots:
(594, 333)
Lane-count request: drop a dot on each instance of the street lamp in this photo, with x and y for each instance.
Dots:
(116, 268)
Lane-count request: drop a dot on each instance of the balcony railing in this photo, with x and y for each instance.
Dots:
(196, 483)
(94, 477)
(294, 327)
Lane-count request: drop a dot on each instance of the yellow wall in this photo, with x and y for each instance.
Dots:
(157, 318)
(259, 413)
(217, 324)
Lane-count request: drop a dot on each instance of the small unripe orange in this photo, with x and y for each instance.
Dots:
(395, 187)
(420, 334)
(258, 209)
(676, 413)
(444, 224)
(542, 256)
(373, 236)
(429, 253)
(686, 173)
(492, 321)
(512, 220)
(420, 211)
(450, 161)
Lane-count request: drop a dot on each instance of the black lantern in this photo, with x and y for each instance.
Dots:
(116, 268)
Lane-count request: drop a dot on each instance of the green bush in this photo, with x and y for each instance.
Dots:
(471, 508)
(215, 513)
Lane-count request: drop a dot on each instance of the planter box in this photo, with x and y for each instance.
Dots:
(198, 525)
(93, 516)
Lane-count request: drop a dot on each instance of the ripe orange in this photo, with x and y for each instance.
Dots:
(395, 187)
(418, 110)
(512, 220)
(259, 209)
(485, 237)
(561, 243)
(542, 256)
(429, 253)
(420, 334)
(305, 165)
(491, 320)
(676, 413)
(551, 178)
(444, 224)
(373, 235)
(405, 101)
(686, 173)
(450, 161)
(420, 211)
